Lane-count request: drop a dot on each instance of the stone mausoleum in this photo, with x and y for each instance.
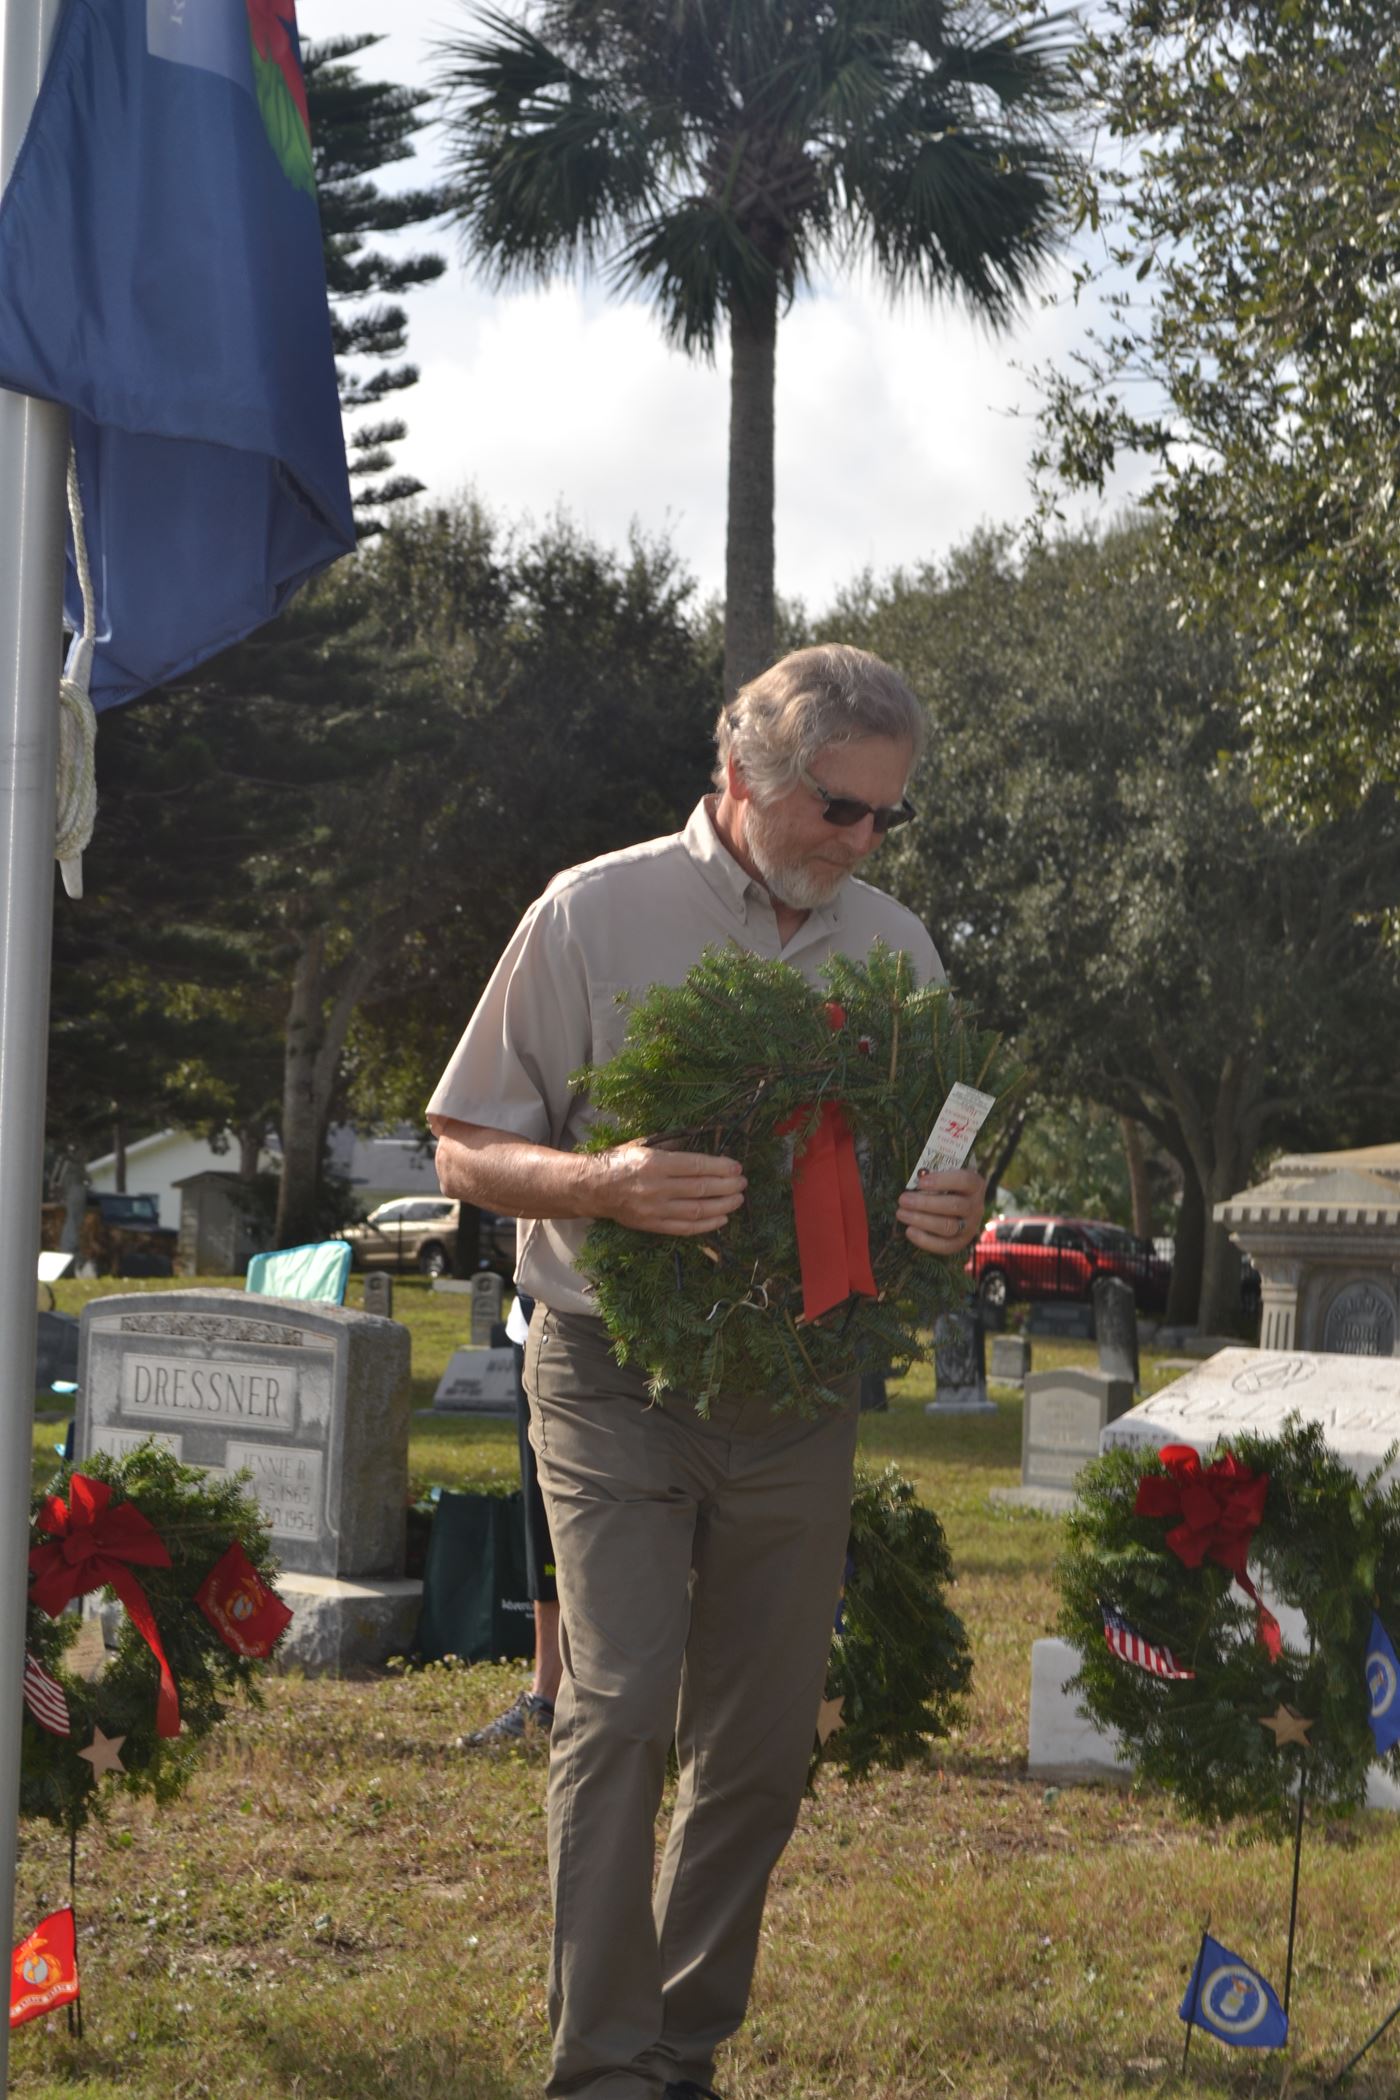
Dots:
(1324, 1233)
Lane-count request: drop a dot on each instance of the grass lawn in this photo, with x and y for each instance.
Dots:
(343, 1908)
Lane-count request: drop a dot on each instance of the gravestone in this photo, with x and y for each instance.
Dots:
(1355, 1399)
(487, 1291)
(379, 1294)
(55, 1349)
(1323, 1230)
(217, 1235)
(1360, 1322)
(313, 1400)
(959, 1366)
(1011, 1359)
(1066, 1319)
(1061, 1427)
(478, 1382)
(1115, 1323)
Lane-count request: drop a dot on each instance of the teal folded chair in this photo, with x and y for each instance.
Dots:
(319, 1271)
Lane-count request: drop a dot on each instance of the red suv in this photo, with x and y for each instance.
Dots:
(1040, 1257)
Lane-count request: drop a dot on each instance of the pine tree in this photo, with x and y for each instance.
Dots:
(357, 127)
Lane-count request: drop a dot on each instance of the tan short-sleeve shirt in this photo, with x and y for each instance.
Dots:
(613, 926)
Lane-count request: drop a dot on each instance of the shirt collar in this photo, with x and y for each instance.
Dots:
(734, 885)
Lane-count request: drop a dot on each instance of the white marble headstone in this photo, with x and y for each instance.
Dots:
(1355, 1399)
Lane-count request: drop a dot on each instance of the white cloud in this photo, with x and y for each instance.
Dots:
(896, 436)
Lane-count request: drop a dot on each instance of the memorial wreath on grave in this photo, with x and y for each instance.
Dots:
(826, 1099)
(1160, 1584)
(900, 1661)
(186, 1555)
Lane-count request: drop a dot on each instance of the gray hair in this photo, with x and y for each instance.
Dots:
(776, 724)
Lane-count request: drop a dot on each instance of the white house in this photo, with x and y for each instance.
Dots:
(379, 1167)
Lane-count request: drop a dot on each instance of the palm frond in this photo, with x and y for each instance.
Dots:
(691, 261)
(546, 165)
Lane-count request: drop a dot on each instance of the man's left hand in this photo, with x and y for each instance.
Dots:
(943, 1214)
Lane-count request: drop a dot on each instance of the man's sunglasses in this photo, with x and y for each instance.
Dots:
(844, 810)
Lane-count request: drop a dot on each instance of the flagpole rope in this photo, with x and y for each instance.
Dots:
(77, 723)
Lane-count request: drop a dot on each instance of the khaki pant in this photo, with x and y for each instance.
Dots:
(699, 1565)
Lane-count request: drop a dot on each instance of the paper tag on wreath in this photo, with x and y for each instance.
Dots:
(955, 1132)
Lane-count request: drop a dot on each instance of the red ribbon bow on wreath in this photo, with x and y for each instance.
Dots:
(1221, 1508)
(95, 1546)
(828, 1205)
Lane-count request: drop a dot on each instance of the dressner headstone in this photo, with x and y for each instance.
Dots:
(313, 1401)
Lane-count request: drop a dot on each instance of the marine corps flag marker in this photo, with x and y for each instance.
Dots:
(44, 1968)
(247, 1616)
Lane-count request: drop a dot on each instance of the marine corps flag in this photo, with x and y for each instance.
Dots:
(44, 1968)
(247, 1616)
(161, 276)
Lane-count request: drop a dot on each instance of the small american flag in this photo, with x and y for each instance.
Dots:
(1134, 1649)
(43, 1695)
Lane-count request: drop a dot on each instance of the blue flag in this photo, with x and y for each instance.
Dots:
(1232, 2001)
(1383, 1684)
(161, 275)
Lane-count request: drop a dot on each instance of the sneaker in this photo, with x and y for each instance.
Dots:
(528, 1721)
(687, 2089)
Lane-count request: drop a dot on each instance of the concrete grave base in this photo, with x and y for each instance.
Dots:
(1049, 1501)
(961, 1400)
(337, 1624)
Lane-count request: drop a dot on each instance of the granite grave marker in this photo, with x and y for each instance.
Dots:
(486, 1307)
(313, 1400)
(1115, 1323)
(1061, 1426)
(1011, 1359)
(959, 1366)
(379, 1294)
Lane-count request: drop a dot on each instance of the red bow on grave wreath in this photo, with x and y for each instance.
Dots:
(1221, 1508)
(96, 1546)
(828, 1206)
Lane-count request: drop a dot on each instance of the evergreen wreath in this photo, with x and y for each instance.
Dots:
(740, 1059)
(1327, 1544)
(197, 1517)
(900, 1662)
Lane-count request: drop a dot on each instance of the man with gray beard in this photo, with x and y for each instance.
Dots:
(698, 1562)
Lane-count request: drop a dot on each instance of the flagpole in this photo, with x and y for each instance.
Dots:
(1352, 2061)
(1195, 1991)
(1297, 1861)
(33, 453)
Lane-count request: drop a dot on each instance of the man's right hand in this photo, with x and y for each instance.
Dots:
(651, 1189)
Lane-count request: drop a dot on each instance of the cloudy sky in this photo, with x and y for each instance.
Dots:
(898, 430)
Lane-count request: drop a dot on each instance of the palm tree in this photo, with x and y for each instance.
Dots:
(713, 155)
